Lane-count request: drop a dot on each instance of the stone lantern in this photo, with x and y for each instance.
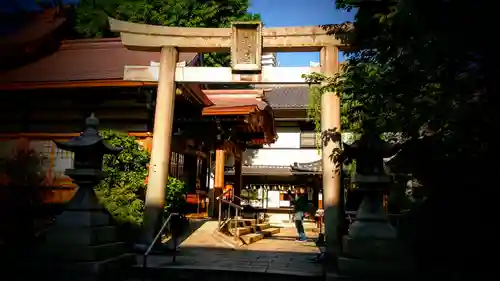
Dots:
(371, 246)
(89, 149)
(82, 242)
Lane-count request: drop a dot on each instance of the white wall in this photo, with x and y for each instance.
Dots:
(288, 137)
(284, 152)
(269, 59)
(279, 156)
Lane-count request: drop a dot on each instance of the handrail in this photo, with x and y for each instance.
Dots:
(237, 208)
(239, 198)
(248, 204)
(151, 245)
(223, 194)
(232, 204)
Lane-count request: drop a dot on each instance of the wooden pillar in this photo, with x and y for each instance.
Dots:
(332, 187)
(161, 144)
(320, 199)
(218, 177)
(238, 182)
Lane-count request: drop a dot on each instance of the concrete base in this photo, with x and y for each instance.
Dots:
(109, 269)
(82, 243)
(81, 253)
(90, 236)
(334, 276)
(364, 267)
(371, 248)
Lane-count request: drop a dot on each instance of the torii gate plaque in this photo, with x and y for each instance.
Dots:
(246, 41)
(246, 49)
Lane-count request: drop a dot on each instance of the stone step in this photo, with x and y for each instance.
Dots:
(81, 253)
(242, 222)
(252, 221)
(108, 269)
(270, 231)
(241, 230)
(262, 226)
(251, 238)
(207, 273)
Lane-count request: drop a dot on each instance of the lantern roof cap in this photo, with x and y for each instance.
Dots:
(89, 137)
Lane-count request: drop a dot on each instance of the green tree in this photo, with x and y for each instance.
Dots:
(414, 70)
(92, 15)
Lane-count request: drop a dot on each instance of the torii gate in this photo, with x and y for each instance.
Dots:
(246, 41)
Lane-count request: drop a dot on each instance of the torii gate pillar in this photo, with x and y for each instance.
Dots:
(161, 147)
(332, 184)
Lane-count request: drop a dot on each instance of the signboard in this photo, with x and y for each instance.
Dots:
(246, 47)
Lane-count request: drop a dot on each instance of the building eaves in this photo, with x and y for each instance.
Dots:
(288, 97)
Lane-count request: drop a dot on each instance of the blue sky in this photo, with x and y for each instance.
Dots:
(274, 13)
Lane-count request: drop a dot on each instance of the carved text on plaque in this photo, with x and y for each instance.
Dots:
(246, 48)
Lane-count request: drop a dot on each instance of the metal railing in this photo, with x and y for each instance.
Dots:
(257, 211)
(151, 245)
(224, 221)
(219, 198)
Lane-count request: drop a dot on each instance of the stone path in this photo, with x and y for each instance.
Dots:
(241, 260)
(285, 242)
(202, 236)
(279, 254)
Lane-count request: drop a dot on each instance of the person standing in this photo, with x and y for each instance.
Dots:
(300, 207)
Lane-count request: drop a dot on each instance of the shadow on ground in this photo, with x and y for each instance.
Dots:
(212, 263)
(202, 256)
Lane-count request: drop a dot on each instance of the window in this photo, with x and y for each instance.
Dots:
(176, 165)
(308, 139)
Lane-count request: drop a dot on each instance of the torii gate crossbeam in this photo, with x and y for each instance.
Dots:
(246, 41)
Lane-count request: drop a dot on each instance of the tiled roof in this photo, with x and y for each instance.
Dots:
(288, 97)
(83, 60)
(315, 166)
(261, 170)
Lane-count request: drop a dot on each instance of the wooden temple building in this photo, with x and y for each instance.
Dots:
(51, 85)
(270, 171)
(48, 94)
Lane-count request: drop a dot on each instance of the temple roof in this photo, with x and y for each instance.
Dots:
(315, 167)
(246, 102)
(255, 170)
(288, 97)
(234, 102)
(276, 170)
(83, 60)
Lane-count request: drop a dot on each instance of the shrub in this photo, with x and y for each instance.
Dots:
(123, 189)
(175, 200)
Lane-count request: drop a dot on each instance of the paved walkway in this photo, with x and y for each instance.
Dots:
(279, 254)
